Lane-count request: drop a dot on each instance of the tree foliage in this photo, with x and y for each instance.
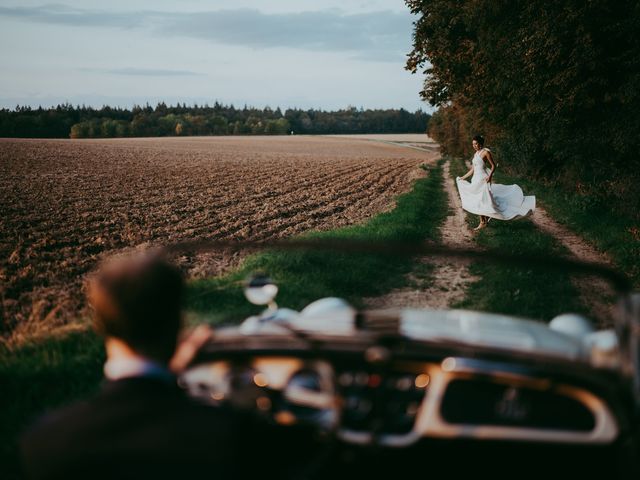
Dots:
(180, 120)
(554, 85)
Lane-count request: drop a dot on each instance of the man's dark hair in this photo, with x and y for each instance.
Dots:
(138, 300)
(479, 139)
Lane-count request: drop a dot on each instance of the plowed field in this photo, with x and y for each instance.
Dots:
(66, 204)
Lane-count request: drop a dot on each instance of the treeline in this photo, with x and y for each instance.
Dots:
(66, 121)
(554, 86)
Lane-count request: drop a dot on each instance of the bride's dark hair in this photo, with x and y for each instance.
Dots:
(479, 139)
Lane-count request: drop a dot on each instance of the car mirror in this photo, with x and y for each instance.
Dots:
(261, 290)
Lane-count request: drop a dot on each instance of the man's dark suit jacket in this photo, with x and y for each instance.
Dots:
(141, 427)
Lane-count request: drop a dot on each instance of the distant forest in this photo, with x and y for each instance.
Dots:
(66, 121)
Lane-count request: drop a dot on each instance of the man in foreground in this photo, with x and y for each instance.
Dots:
(141, 424)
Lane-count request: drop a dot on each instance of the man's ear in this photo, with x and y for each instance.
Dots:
(102, 305)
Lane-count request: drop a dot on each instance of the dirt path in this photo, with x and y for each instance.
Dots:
(441, 282)
(595, 293)
(445, 285)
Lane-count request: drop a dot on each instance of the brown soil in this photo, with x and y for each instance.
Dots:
(67, 204)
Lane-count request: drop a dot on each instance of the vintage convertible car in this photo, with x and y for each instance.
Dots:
(404, 391)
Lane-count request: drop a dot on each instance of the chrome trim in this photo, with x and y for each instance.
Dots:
(431, 424)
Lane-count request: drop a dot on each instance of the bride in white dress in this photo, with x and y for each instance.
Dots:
(481, 197)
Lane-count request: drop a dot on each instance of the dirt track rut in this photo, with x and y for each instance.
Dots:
(446, 284)
(595, 293)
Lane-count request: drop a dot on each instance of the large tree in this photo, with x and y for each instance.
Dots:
(556, 84)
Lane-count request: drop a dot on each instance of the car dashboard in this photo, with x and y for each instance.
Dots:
(393, 392)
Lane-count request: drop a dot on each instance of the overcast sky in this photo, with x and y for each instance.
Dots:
(290, 53)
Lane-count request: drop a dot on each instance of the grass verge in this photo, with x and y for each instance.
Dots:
(55, 371)
(39, 375)
(514, 290)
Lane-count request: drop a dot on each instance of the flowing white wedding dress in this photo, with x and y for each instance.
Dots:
(504, 202)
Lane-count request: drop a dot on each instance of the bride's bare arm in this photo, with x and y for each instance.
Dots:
(468, 174)
(489, 158)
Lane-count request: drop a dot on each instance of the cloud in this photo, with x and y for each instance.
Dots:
(75, 17)
(150, 72)
(379, 36)
(321, 31)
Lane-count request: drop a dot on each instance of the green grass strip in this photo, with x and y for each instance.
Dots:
(48, 373)
(41, 375)
(527, 292)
